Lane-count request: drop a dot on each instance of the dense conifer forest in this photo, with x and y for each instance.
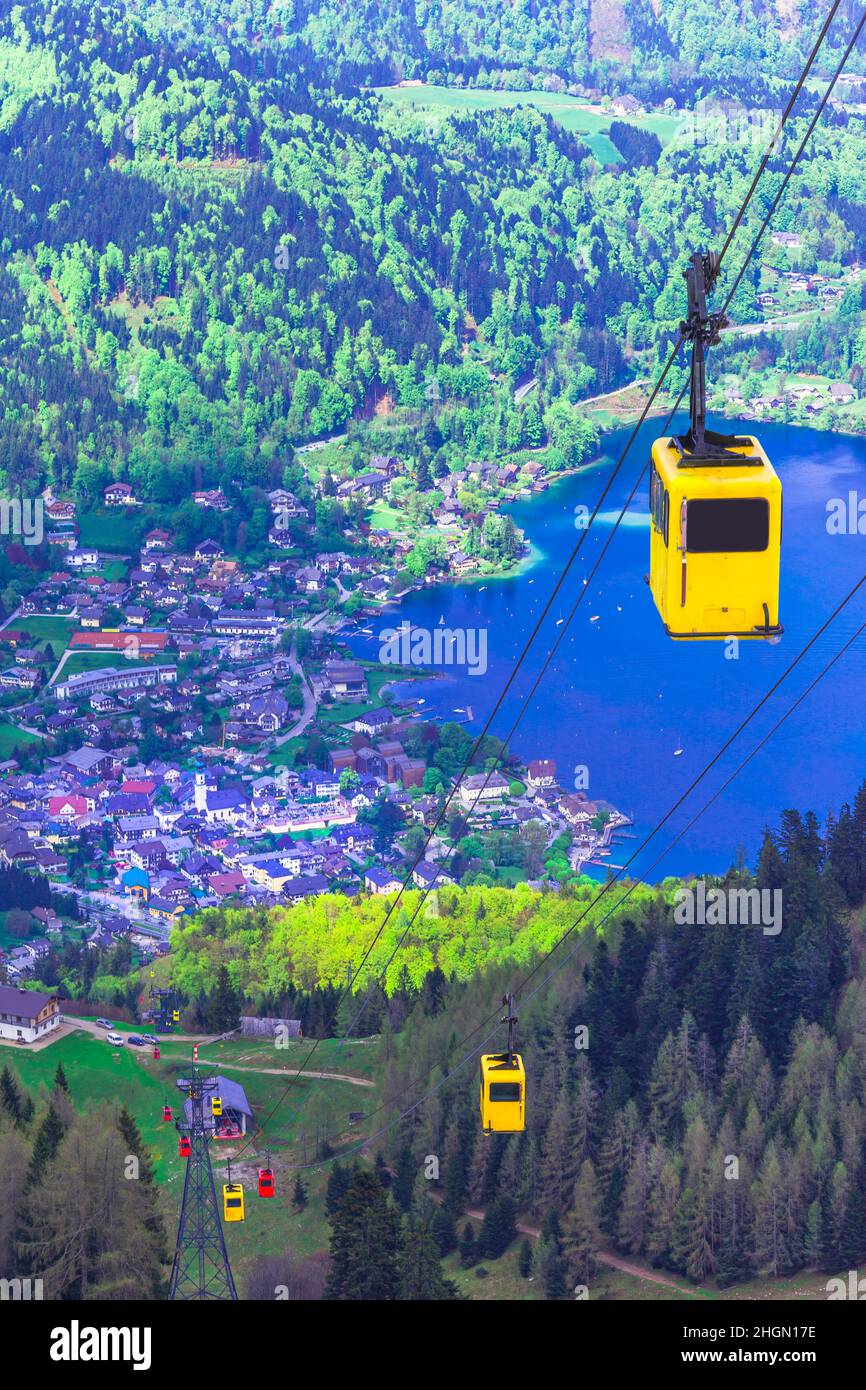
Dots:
(709, 1121)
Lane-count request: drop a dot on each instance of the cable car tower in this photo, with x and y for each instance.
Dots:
(162, 1007)
(201, 1268)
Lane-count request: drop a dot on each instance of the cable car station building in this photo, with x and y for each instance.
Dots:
(26, 1014)
(236, 1117)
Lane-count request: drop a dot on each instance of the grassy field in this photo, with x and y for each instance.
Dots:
(8, 942)
(115, 529)
(115, 571)
(97, 1072)
(385, 517)
(11, 738)
(284, 755)
(439, 102)
(47, 629)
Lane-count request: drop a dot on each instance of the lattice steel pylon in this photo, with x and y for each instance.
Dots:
(201, 1268)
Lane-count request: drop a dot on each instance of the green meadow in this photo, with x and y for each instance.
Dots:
(569, 112)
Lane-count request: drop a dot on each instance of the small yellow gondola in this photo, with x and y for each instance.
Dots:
(503, 1093)
(503, 1084)
(715, 537)
(233, 1201)
(216, 1105)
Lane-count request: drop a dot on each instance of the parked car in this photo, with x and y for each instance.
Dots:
(150, 1039)
(104, 1023)
(136, 1040)
(116, 1039)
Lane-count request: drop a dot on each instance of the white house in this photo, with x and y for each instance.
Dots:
(481, 787)
(378, 880)
(81, 559)
(25, 1014)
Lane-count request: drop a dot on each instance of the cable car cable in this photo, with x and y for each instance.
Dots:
(614, 878)
(561, 634)
(576, 549)
(592, 518)
(615, 907)
(780, 128)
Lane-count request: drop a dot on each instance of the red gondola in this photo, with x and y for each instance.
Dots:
(156, 1054)
(166, 1113)
(184, 1147)
(266, 1182)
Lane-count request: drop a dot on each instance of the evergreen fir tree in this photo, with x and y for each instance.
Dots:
(852, 1238)
(419, 1273)
(132, 1135)
(299, 1194)
(403, 1185)
(582, 1231)
(365, 1243)
(11, 1097)
(549, 1267)
(339, 1179)
(498, 1228)
(224, 1005)
(49, 1137)
(443, 1231)
(468, 1247)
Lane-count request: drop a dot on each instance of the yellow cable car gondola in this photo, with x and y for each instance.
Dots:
(216, 1105)
(503, 1084)
(715, 510)
(233, 1201)
(175, 1015)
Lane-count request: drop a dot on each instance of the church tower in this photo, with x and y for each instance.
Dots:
(200, 789)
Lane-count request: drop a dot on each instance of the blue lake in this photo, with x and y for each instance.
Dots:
(619, 696)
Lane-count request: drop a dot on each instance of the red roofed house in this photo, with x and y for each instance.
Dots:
(110, 640)
(157, 539)
(541, 772)
(66, 807)
(60, 511)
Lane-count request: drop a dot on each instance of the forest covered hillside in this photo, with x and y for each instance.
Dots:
(569, 40)
(211, 255)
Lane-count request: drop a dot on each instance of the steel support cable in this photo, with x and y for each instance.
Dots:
(780, 127)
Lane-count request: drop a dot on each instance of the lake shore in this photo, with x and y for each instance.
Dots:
(620, 698)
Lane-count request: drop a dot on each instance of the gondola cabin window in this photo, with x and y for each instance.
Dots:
(733, 525)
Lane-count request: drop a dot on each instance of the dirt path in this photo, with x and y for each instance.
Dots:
(604, 1257)
(288, 1073)
(626, 402)
(651, 1276)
